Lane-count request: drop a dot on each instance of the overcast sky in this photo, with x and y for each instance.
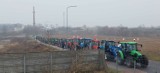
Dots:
(129, 13)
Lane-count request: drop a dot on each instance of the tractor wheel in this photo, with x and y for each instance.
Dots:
(119, 60)
(144, 61)
(108, 56)
(129, 61)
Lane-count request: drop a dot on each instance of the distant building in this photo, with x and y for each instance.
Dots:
(4, 28)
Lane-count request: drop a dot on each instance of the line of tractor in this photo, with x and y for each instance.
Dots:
(124, 53)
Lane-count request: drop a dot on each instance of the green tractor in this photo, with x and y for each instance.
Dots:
(130, 55)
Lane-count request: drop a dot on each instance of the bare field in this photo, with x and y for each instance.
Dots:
(23, 45)
(151, 48)
(1, 46)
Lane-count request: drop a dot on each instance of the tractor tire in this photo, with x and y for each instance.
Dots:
(129, 62)
(108, 56)
(144, 61)
(119, 60)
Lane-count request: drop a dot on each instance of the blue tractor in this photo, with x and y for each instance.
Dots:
(110, 49)
(86, 42)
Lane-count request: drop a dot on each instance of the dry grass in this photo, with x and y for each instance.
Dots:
(151, 48)
(22, 45)
(79, 66)
(88, 68)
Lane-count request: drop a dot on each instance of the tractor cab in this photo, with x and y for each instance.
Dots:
(110, 49)
(130, 49)
(94, 44)
(109, 45)
(130, 46)
(87, 42)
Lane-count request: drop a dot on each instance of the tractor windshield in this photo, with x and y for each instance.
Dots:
(132, 47)
(111, 43)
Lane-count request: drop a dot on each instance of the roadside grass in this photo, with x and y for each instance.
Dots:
(151, 48)
(110, 70)
(22, 45)
(79, 65)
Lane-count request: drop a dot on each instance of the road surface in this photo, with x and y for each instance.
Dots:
(153, 67)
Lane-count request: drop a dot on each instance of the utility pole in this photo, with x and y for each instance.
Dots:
(34, 22)
(64, 19)
(67, 17)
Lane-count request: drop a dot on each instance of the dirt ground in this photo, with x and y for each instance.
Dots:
(1, 46)
(22, 45)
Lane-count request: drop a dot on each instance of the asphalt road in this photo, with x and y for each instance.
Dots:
(153, 67)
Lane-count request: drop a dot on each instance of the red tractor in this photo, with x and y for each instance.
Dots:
(95, 44)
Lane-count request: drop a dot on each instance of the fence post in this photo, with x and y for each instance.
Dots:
(51, 57)
(116, 65)
(101, 59)
(134, 66)
(3, 67)
(156, 68)
(98, 59)
(76, 60)
(24, 63)
(75, 47)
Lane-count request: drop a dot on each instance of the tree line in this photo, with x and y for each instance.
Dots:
(84, 30)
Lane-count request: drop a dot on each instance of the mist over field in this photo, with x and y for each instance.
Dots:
(121, 31)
